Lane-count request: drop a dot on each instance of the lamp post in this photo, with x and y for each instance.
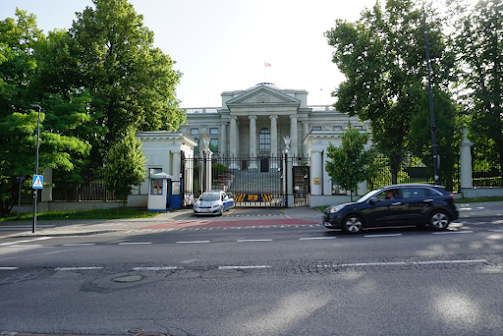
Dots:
(35, 191)
(432, 113)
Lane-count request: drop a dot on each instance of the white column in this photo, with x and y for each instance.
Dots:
(223, 140)
(253, 143)
(176, 166)
(274, 135)
(316, 168)
(233, 145)
(294, 136)
(305, 125)
(466, 163)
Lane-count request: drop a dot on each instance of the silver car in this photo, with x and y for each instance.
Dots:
(213, 203)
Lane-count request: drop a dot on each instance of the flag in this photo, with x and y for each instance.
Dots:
(267, 64)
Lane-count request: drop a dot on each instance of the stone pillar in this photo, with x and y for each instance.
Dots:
(466, 162)
(208, 178)
(175, 166)
(294, 136)
(223, 140)
(305, 126)
(47, 188)
(252, 166)
(316, 170)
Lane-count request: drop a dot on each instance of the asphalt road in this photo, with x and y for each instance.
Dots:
(297, 279)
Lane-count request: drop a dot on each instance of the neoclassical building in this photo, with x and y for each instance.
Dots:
(255, 121)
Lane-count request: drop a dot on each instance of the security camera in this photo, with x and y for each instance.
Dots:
(279, 170)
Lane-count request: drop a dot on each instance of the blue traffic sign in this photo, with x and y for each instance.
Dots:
(21, 178)
(38, 182)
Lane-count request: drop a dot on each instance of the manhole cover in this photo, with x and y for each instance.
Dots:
(128, 278)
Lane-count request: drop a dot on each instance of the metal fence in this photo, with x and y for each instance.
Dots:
(91, 191)
(253, 181)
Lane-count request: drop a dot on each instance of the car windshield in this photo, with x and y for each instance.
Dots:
(209, 197)
(369, 195)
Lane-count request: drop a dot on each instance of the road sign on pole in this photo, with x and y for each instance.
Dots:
(38, 181)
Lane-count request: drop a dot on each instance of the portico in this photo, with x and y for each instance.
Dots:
(253, 123)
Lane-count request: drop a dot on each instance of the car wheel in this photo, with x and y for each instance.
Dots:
(352, 224)
(439, 220)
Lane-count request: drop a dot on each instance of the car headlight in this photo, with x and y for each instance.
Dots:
(336, 208)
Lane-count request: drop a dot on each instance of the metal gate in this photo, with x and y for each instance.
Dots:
(253, 181)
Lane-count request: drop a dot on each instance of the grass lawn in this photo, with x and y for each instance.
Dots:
(87, 214)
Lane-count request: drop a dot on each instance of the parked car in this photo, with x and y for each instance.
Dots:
(395, 205)
(213, 203)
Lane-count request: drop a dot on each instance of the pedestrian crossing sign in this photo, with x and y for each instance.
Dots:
(38, 181)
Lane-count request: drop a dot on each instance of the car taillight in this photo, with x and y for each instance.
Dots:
(452, 197)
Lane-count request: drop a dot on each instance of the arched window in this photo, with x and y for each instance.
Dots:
(264, 140)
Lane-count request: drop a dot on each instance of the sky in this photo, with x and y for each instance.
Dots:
(221, 45)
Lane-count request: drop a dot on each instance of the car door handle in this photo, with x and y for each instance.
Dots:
(428, 200)
(396, 203)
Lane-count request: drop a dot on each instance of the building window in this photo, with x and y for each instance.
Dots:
(213, 131)
(194, 131)
(152, 171)
(156, 187)
(337, 128)
(316, 128)
(196, 147)
(264, 140)
(214, 145)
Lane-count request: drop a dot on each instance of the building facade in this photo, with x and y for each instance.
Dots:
(255, 121)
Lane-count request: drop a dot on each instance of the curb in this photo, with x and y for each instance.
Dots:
(87, 233)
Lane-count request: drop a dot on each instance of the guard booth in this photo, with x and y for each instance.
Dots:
(164, 193)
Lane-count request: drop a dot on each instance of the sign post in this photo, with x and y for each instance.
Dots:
(37, 179)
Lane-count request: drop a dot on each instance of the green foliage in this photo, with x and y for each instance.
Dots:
(381, 175)
(217, 169)
(447, 135)
(350, 163)
(382, 56)
(19, 42)
(125, 165)
(479, 39)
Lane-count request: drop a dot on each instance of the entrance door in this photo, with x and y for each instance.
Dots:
(264, 165)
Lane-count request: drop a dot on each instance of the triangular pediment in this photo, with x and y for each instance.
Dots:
(263, 95)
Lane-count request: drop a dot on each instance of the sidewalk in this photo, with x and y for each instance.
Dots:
(90, 227)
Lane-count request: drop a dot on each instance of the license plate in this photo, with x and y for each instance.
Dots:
(204, 210)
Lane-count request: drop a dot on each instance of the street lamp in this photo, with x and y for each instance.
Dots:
(35, 191)
(432, 113)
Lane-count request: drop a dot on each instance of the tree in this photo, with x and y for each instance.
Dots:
(350, 163)
(382, 56)
(18, 121)
(480, 43)
(448, 135)
(124, 165)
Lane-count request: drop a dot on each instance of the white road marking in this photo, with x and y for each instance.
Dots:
(374, 264)
(162, 268)
(242, 267)
(317, 238)
(253, 240)
(193, 242)
(82, 244)
(76, 268)
(403, 263)
(6, 268)
(28, 246)
(25, 241)
(136, 243)
(450, 261)
(496, 230)
(451, 232)
(383, 235)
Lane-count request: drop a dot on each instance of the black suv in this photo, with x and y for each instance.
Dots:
(395, 205)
